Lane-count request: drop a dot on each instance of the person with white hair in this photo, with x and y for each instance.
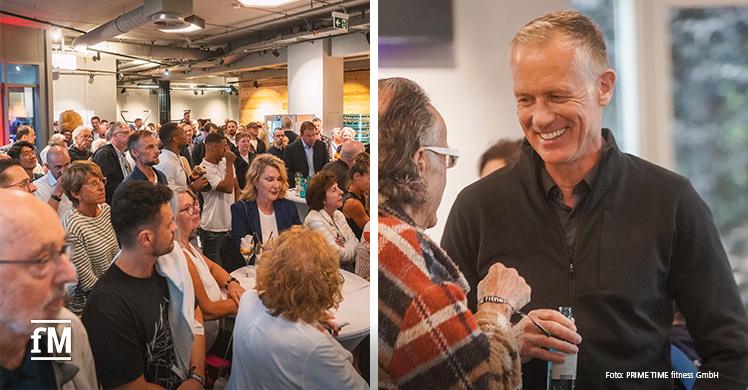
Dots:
(111, 158)
(82, 138)
(335, 141)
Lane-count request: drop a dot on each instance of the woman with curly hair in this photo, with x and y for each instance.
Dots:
(280, 337)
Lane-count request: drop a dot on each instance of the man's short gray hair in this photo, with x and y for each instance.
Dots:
(406, 123)
(56, 139)
(115, 127)
(78, 130)
(575, 26)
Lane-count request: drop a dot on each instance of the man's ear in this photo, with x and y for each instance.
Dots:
(420, 159)
(145, 237)
(605, 86)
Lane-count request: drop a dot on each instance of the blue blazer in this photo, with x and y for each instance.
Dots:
(245, 217)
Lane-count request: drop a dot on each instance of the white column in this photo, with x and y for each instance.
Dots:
(315, 82)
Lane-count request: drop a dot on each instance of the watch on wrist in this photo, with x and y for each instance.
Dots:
(55, 197)
(233, 279)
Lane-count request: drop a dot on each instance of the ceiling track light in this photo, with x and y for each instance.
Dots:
(123, 91)
(195, 92)
(91, 78)
(276, 53)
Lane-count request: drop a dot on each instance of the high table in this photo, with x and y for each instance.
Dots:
(354, 308)
(300, 202)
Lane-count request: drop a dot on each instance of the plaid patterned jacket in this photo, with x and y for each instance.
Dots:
(428, 339)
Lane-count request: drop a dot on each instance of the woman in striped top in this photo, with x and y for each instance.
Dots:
(89, 227)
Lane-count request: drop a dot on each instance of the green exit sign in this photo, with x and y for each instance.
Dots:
(340, 20)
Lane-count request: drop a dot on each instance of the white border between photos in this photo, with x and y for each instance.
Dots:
(374, 193)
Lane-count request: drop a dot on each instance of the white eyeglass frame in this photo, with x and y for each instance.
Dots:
(452, 154)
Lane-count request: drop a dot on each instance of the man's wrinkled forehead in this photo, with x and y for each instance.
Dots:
(26, 219)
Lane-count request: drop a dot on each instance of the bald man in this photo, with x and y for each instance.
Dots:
(342, 165)
(49, 187)
(33, 274)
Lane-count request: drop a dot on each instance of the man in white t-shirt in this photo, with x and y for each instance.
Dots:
(215, 221)
(173, 138)
(49, 187)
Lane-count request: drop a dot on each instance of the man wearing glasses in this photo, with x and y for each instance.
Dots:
(111, 158)
(13, 176)
(33, 274)
(428, 338)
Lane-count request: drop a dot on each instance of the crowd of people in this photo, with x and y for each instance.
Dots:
(147, 228)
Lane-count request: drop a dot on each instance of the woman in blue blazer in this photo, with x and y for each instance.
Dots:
(262, 209)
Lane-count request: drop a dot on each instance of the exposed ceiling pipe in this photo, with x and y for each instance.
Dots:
(132, 20)
(156, 52)
(279, 20)
(139, 68)
(282, 41)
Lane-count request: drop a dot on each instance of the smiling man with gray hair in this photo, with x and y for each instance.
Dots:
(614, 237)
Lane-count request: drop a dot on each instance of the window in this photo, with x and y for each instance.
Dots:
(23, 74)
(603, 13)
(709, 53)
(20, 86)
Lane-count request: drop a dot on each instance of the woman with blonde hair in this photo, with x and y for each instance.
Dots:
(90, 228)
(261, 209)
(208, 278)
(280, 337)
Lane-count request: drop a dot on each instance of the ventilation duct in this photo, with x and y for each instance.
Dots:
(168, 14)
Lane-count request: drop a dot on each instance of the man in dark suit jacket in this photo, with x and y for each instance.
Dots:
(111, 158)
(297, 155)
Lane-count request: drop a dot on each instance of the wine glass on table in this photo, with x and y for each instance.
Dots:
(247, 250)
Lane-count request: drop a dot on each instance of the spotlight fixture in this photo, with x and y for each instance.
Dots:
(120, 76)
(194, 23)
(91, 78)
(154, 92)
(166, 72)
(195, 92)
(221, 61)
(123, 91)
(276, 53)
(97, 57)
(202, 93)
(256, 84)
